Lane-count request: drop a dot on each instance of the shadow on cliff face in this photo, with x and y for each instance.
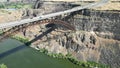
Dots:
(41, 35)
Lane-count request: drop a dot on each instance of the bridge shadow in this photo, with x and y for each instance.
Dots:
(25, 45)
(5, 54)
(41, 35)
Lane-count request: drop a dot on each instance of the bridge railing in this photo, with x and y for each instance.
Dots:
(29, 20)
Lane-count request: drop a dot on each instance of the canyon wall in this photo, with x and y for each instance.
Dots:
(96, 37)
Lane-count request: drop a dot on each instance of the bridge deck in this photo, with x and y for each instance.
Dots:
(29, 20)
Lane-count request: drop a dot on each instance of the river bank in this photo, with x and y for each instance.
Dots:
(14, 54)
(96, 39)
(73, 60)
(68, 56)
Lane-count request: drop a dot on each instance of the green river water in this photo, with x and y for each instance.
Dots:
(15, 54)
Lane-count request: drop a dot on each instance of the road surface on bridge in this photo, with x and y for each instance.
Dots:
(42, 17)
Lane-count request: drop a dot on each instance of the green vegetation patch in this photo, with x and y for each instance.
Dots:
(69, 57)
(3, 66)
(15, 5)
(1, 32)
(21, 39)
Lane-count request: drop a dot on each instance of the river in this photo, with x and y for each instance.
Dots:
(15, 54)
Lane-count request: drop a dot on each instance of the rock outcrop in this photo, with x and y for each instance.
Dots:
(96, 38)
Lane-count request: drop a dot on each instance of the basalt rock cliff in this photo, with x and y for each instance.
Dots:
(97, 36)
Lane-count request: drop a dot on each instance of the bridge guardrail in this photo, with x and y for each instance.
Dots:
(29, 20)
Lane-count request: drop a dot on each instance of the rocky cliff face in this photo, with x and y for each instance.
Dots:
(96, 38)
(103, 23)
(103, 32)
